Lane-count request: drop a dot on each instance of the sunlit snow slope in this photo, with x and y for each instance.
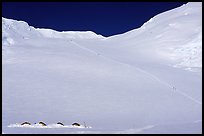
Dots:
(148, 80)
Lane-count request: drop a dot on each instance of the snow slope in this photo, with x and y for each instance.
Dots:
(148, 80)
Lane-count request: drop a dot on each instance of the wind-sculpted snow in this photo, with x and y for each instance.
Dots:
(148, 80)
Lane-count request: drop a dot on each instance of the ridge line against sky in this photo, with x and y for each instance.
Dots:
(104, 18)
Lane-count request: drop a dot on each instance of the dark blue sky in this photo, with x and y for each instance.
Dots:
(105, 18)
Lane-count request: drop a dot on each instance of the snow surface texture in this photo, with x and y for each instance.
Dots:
(148, 80)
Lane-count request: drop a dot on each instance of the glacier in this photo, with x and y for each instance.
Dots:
(147, 80)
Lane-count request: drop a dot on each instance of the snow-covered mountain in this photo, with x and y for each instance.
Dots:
(14, 30)
(148, 80)
(175, 34)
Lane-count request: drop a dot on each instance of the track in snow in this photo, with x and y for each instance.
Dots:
(172, 88)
